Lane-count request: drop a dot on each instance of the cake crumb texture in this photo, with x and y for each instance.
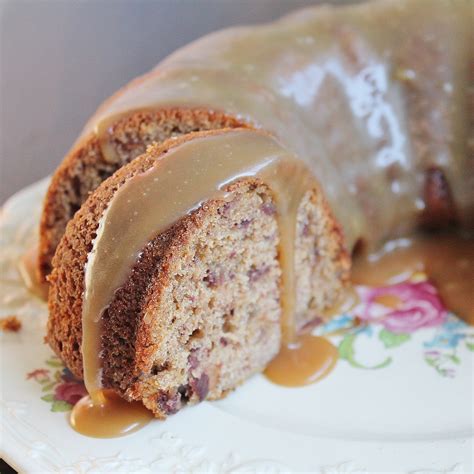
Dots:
(10, 324)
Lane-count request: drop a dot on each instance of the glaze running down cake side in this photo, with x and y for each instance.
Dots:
(206, 214)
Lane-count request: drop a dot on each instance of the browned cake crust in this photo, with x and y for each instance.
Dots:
(85, 167)
(209, 286)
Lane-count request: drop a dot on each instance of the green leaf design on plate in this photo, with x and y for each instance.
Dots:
(455, 359)
(60, 405)
(431, 362)
(53, 362)
(48, 398)
(470, 346)
(346, 347)
(48, 387)
(347, 352)
(391, 339)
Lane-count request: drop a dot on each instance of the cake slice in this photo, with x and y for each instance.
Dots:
(200, 310)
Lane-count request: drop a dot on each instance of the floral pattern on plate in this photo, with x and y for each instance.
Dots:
(392, 314)
(58, 384)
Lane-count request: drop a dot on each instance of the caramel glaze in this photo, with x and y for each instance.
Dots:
(367, 97)
(303, 362)
(447, 260)
(108, 416)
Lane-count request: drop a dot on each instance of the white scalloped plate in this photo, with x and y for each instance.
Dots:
(395, 402)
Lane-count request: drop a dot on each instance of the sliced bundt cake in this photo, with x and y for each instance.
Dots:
(372, 100)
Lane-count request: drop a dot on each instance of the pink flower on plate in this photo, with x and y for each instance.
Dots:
(404, 307)
(70, 392)
(38, 374)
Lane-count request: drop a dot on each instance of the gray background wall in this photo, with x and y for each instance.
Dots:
(60, 58)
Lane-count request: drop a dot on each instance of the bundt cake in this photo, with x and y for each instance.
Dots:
(170, 299)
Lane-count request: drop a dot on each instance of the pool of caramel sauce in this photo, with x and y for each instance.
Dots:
(304, 361)
(447, 259)
(107, 415)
